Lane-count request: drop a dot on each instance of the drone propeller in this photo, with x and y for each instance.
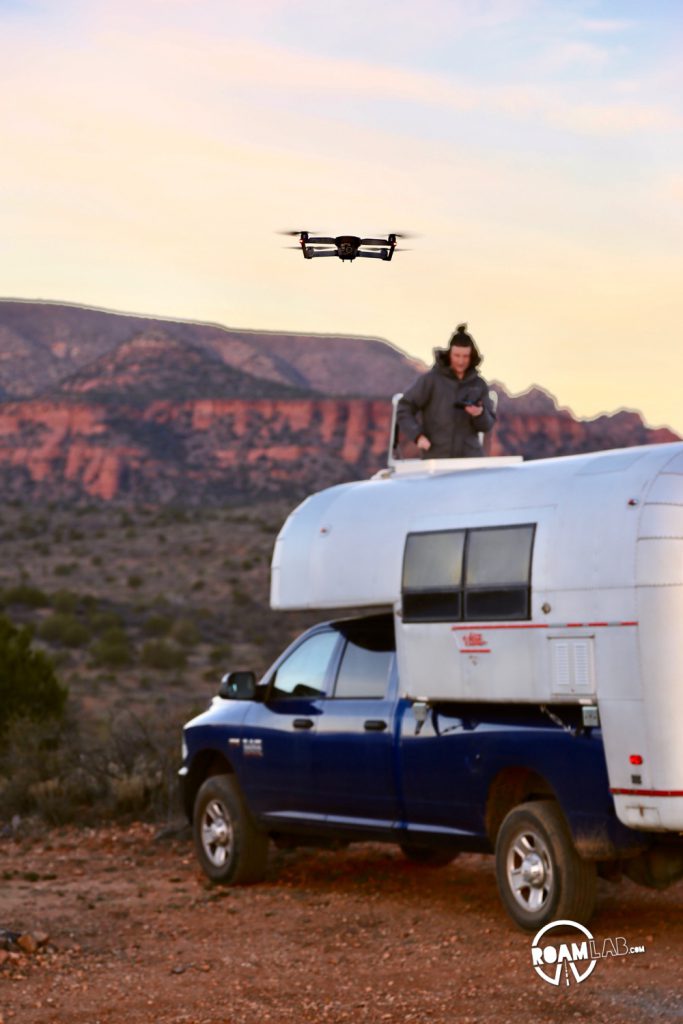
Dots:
(396, 234)
(295, 234)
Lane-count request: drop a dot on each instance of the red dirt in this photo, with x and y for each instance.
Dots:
(137, 935)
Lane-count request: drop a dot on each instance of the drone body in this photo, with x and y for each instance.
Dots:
(346, 247)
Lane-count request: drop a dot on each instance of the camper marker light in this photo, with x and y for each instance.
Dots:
(635, 759)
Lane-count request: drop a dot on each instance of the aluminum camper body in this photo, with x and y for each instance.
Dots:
(596, 622)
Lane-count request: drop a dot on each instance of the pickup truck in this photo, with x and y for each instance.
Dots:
(323, 750)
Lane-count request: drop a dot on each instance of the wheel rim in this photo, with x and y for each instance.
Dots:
(217, 833)
(530, 871)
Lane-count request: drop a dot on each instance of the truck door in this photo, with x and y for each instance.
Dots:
(441, 761)
(277, 735)
(353, 747)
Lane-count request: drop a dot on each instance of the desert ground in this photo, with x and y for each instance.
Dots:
(142, 610)
(130, 931)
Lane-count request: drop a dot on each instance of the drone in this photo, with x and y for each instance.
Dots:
(346, 247)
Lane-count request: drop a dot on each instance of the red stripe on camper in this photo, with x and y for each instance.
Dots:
(647, 792)
(543, 625)
(506, 625)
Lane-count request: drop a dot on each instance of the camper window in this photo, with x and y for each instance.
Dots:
(477, 574)
(432, 576)
(498, 573)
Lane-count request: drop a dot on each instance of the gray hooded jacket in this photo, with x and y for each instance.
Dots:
(433, 406)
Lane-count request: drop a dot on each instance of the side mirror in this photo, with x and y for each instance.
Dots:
(238, 686)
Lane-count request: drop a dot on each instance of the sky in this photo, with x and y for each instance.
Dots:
(152, 149)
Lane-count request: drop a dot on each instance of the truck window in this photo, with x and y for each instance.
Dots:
(468, 575)
(304, 673)
(363, 672)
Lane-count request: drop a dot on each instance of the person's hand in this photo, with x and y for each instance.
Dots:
(423, 443)
(474, 410)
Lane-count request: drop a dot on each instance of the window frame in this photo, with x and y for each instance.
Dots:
(463, 590)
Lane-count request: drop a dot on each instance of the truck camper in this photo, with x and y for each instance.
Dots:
(511, 680)
(558, 581)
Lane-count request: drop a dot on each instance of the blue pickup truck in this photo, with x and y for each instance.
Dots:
(322, 750)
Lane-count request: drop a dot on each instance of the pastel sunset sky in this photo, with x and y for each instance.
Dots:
(152, 148)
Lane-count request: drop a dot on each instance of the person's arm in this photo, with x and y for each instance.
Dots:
(413, 401)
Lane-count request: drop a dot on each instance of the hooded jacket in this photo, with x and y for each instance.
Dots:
(433, 406)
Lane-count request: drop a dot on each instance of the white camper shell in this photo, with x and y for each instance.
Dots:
(550, 582)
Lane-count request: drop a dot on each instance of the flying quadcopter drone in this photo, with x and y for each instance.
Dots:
(346, 247)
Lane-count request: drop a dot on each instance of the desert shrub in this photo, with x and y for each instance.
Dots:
(185, 633)
(112, 648)
(103, 619)
(29, 687)
(220, 655)
(86, 772)
(135, 581)
(163, 656)
(65, 568)
(25, 594)
(64, 628)
(64, 601)
(158, 625)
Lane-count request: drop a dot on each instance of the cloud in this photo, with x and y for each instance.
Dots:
(606, 26)
(576, 54)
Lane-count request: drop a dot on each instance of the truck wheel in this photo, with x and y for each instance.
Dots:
(229, 846)
(427, 857)
(540, 875)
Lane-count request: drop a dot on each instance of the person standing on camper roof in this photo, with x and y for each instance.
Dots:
(447, 408)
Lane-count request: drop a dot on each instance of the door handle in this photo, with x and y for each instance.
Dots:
(303, 723)
(375, 725)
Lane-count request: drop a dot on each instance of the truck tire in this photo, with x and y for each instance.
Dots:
(427, 857)
(230, 848)
(541, 877)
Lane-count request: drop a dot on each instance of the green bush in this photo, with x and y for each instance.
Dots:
(64, 601)
(158, 625)
(81, 771)
(103, 620)
(26, 594)
(64, 628)
(186, 633)
(220, 655)
(29, 687)
(112, 649)
(160, 655)
(65, 569)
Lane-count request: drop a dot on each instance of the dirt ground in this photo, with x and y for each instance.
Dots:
(137, 935)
